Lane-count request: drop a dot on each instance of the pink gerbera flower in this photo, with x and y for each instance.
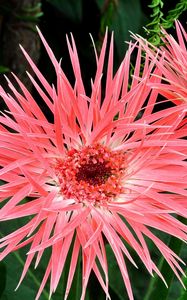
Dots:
(174, 66)
(172, 62)
(109, 168)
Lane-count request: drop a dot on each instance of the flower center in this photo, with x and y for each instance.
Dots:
(93, 173)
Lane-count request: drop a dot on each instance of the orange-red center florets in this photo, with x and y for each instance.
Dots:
(93, 173)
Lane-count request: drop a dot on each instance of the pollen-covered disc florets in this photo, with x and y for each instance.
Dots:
(93, 173)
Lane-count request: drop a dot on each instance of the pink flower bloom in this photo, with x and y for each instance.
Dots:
(172, 62)
(174, 66)
(107, 157)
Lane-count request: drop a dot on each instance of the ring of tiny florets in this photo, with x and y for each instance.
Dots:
(93, 173)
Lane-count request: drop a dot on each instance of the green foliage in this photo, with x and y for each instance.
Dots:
(13, 266)
(154, 28)
(71, 9)
(183, 292)
(157, 289)
(3, 70)
(118, 16)
(27, 13)
(139, 277)
(175, 13)
(76, 288)
(107, 16)
(27, 290)
(3, 271)
(183, 295)
(30, 13)
(115, 275)
(159, 20)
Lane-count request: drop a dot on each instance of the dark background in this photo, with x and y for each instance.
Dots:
(56, 18)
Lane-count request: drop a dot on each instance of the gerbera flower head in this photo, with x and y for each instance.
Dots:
(172, 62)
(175, 63)
(108, 169)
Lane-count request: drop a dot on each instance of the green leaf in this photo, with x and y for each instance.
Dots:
(157, 289)
(156, 3)
(3, 272)
(100, 4)
(76, 288)
(121, 16)
(184, 292)
(115, 277)
(14, 263)
(4, 69)
(127, 16)
(71, 8)
(28, 288)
